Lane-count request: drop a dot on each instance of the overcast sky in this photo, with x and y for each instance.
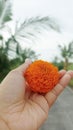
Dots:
(61, 10)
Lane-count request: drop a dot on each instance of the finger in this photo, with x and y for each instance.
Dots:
(62, 73)
(24, 66)
(70, 72)
(52, 96)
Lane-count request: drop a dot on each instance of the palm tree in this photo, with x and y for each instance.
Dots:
(66, 53)
(31, 27)
(29, 30)
(5, 12)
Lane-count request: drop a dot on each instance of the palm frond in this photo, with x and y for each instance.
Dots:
(5, 11)
(70, 47)
(31, 27)
(1, 37)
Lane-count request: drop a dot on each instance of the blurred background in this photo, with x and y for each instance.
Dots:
(40, 29)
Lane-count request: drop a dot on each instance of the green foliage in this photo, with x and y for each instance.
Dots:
(70, 67)
(7, 64)
(1, 38)
(15, 63)
(71, 83)
(59, 65)
(66, 53)
(26, 53)
(4, 64)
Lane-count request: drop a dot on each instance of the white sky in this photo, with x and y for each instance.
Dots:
(62, 10)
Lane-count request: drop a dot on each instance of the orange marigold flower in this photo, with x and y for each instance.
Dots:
(42, 76)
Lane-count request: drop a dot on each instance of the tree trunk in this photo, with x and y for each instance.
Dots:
(66, 63)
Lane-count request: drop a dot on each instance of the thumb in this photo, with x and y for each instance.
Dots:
(22, 68)
(13, 86)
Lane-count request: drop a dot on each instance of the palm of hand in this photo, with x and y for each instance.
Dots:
(21, 109)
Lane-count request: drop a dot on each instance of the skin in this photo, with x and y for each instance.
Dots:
(21, 109)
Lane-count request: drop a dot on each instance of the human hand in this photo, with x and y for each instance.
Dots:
(22, 109)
